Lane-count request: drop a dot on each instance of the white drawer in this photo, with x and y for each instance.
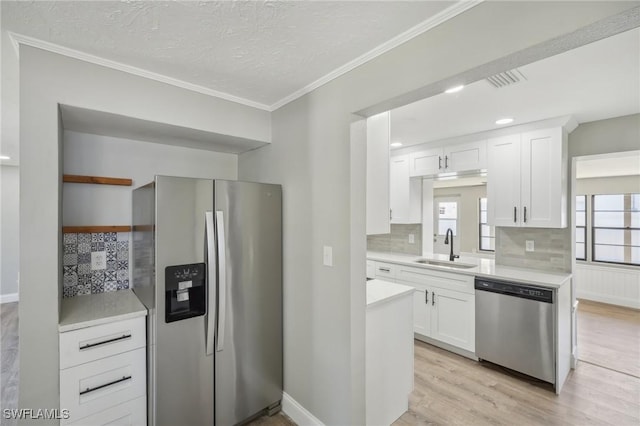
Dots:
(100, 341)
(131, 413)
(89, 388)
(428, 277)
(386, 270)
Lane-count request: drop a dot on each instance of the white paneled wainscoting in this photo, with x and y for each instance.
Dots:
(608, 284)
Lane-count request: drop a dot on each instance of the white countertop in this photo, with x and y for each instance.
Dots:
(94, 309)
(379, 291)
(483, 267)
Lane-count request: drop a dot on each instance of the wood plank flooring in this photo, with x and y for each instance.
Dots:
(609, 336)
(9, 359)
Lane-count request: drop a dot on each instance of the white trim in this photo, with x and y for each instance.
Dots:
(609, 299)
(8, 298)
(415, 31)
(439, 18)
(72, 53)
(300, 415)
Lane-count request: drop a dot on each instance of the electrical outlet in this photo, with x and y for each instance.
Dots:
(327, 256)
(412, 239)
(98, 260)
(529, 245)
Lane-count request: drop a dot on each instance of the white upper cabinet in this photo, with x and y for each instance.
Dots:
(406, 193)
(378, 206)
(450, 158)
(466, 156)
(544, 178)
(526, 179)
(426, 163)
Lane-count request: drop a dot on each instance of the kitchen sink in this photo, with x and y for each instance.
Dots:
(445, 263)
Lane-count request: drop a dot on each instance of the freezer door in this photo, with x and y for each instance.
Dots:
(183, 371)
(248, 352)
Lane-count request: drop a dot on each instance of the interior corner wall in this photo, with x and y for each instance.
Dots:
(47, 80)
(310, 157)
(9, 231)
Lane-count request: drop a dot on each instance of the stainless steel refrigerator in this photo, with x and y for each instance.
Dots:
(207, 263)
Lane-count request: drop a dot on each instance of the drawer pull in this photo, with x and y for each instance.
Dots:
(384, 269)
(88, 390)
(116, 339)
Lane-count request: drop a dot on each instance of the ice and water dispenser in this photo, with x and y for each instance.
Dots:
(185, 291)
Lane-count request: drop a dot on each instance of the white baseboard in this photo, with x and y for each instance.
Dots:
(297, 412)
(8, 298)
(609, 299)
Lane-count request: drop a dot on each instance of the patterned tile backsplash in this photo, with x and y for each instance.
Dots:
(552, 248)
(80, 278)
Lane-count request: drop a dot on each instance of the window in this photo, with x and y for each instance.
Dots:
(581, 227)
(616, 228)
(487, 236)
(447, 217)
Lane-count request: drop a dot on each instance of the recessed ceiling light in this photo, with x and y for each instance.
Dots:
(396, 144)
(4, 157)
(455, 89)
(504, 121)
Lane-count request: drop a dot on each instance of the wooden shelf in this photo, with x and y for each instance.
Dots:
(91, 229)
(100, 180)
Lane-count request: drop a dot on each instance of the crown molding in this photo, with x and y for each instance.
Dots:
(17, 39)
(445, 15)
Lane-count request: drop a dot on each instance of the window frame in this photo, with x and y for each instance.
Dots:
(584, 227)
(594, 228)
(480, 223)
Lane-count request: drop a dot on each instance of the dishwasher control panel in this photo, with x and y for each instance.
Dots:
(515, 289)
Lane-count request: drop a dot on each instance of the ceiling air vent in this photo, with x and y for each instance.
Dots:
(506, 78)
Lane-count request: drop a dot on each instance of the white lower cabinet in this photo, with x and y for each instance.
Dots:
(103, 374)
(453, 318)
(443, 303)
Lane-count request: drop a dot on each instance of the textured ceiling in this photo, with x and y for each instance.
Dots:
(261, 51)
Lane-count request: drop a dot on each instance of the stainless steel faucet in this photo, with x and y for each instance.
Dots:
(446, 241)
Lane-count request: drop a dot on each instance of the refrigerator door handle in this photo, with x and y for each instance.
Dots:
(222, 279)
(211, 290)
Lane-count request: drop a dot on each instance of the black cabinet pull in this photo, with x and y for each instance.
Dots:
(89, 390)
(446, 161)
(426, 297)
(433, 298)
(115, 339)
(525, 215)
(515, 214)
(439, 162)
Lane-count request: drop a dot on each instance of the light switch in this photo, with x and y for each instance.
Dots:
(327, 256)
(529, 245)
(98, 260)
(412, 239)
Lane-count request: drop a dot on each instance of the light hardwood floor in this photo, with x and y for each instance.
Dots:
(452, 390)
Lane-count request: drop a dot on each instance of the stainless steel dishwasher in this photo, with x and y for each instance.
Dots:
(515, 327)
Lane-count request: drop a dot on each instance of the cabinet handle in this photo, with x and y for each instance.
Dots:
(89, 390)
(515, 214)
(433, 298)
(390, 214)
(93, 345)
(384, 269)
(446, 161)
(525, 215)
(426, 297)
(439, 162)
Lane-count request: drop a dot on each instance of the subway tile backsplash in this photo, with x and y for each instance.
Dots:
(398, 240)
(552, 248)
(80, 278)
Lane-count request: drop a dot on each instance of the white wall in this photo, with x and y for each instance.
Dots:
(46, 80)
(310, 157)
(94, 155)
(9, 233)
